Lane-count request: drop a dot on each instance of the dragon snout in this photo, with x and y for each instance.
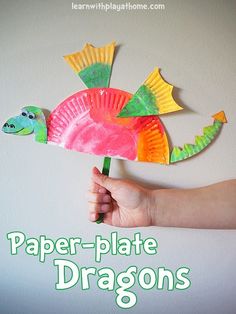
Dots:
(7, 125)
(10, 126)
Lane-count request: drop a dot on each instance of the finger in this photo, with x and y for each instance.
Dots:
(93, 216)
(103, 180)
(100, 208)
(95, 171)
(96, 188)
(98, 197)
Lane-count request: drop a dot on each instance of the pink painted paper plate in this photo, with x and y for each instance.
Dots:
(87, 122)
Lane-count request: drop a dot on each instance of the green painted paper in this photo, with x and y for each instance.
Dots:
(201, 142)
(211, 130)
(143, 103)
(178, 154)
(190, 149)
(96, 75)
(31, 120)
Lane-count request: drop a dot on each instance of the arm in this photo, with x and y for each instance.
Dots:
(212, 206)
(126, 204)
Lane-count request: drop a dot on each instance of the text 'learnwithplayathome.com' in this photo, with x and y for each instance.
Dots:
(69, 274)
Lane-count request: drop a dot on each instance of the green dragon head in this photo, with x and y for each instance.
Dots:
(31, 120)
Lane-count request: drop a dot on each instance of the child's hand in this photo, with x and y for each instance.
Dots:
(124, 203)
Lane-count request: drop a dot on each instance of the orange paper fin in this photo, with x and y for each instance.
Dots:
(153, 143)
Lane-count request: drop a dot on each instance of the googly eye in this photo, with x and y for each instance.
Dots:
(11, 126)
(24, 114)
(31, 115)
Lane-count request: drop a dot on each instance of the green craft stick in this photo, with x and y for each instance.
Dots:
(105, 170)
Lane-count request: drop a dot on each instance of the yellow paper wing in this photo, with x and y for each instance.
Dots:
(93, 65)
(163, 92)
(154, 97)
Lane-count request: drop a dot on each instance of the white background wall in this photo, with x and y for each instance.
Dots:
(43, 187)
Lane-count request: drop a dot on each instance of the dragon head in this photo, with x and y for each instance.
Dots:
(31, 120)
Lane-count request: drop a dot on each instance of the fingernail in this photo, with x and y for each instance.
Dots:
(95, 170)
(106, 198)
(102, 190)
(105, 208)
(92, 216)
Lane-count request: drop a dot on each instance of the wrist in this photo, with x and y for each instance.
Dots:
(158, 210)
(153, 207)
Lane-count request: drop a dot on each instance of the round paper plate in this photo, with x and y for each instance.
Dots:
(87, 122)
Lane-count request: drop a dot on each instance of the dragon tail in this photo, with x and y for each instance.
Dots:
(201, 142)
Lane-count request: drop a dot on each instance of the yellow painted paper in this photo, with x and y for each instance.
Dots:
(163, 92)
(91, 55)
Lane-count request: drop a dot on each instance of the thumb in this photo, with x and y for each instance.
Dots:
(103, 180)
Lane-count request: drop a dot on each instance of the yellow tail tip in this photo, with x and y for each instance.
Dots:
(220, 116)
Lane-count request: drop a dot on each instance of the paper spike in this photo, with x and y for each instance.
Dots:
(201, 142)
(220, 116)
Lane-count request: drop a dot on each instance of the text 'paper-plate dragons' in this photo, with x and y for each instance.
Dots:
(111, 122)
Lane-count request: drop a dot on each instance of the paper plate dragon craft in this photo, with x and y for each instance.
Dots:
(111, 122)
